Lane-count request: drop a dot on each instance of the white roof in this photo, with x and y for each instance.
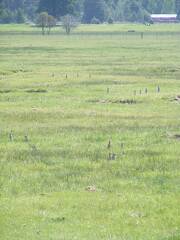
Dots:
(164, 15)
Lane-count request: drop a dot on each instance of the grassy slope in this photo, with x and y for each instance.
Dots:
(69, 122)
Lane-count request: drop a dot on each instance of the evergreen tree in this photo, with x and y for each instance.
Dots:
(95, 8)
(134, 11)
(20, 18)
(1, 8)
(118, 10)
(57, 8)
(178, 8)
(168, 6)
(30, 8)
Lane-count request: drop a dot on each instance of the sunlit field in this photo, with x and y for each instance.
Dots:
(90, 133)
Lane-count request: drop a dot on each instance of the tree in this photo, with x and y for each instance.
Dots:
(57, 8)
(168, 6)
(30, 8)
(177, 3)
(1, 8)
(46, 21)
(42, 21)
(7, 16)
(51, 22)
(145, 3)
(118, 10)
(133, 11)
(68, 23)
(20, 18)
(95, 8)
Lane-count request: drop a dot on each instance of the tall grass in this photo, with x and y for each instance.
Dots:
(62, 100)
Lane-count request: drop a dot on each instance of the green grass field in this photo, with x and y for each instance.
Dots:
(62, 99)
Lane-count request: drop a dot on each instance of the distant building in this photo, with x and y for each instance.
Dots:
(164, 18)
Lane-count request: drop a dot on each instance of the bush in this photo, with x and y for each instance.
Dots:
(95, 20)
(110, 20)
(147, 18)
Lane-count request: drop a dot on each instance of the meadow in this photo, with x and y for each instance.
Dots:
(90, 133)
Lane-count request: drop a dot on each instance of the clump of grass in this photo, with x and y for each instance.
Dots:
(58, 219)
(36, 91)
(5, 91)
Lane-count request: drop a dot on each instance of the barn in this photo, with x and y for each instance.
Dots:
(164, 18)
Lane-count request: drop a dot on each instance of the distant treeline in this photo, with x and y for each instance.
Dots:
(88, 11)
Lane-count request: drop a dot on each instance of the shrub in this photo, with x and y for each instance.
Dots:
(110, 20)
(147, 18)
(95, 20)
